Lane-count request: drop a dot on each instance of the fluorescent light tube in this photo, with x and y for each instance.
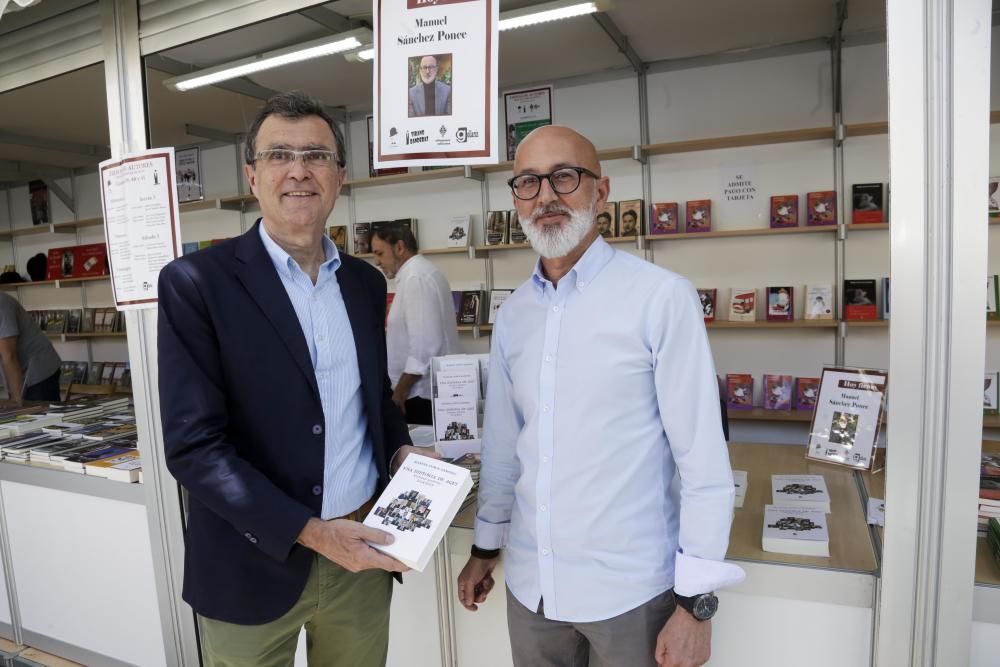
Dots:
(366, 54)
(550, 11)
(313, 49)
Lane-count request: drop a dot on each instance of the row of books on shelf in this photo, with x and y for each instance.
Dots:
(860, 302)
(79, 320)
(989, 491)
(116, 373)
(79, 261)
(781, 392)
(365, 231)
(92, 436)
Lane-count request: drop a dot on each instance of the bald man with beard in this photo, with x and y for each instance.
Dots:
(607, 551)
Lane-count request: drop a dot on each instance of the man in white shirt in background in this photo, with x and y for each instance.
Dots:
(421, 322)
(606, 550)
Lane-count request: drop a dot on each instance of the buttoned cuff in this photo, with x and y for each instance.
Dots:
(694, 576)
(415, 367)
(491, 535)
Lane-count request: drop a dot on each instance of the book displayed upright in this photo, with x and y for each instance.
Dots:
(517, 234)
(739, 391)
(497, 297)
(869, 200)
(994, 206)
(819, 302)
(456, 391)
(470, 309)
(885, 298)
(784, 211)
(805, 491)
(630, 218)
(992, 297)
(607, 220)
(859, 300)
(338, 234)
(796, 531)
(708, 299)
(743, 304)
(780, 304)
(806, 393)
(991, 393)
(699, 216)
(777, 392)
(458, 235)
(663, 219)
(496, 227)
(821, 208)
(417, 507)
(362, 238)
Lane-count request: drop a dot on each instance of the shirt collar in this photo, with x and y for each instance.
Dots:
(584, 271)
(407, 267)
(285, 263)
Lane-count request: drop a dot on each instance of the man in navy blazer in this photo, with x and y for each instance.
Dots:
(429, 97)
(278, 416)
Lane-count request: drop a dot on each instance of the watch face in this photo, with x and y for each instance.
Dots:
(705, 606)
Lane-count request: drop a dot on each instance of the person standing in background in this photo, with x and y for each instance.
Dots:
(30, 362)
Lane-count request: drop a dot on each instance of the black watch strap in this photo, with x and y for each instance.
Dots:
(702, 607)
(485, 554)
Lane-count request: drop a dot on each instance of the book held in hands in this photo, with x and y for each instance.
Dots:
(418, 506)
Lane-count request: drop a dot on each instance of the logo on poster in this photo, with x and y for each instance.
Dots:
(393, 133)
(443, 131)
(416, 137)
(463, 134)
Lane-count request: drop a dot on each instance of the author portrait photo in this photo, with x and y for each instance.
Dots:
(430, 85)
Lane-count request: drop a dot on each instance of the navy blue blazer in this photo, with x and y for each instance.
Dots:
(243, 423)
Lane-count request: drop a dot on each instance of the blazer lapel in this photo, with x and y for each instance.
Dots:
(258, 275)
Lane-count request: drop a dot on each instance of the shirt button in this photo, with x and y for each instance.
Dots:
(317, 429)
(581, 284)
(317, 490)
(548, 357)
(545, 408)
(543, 508)
(321, 338)
(545, 459)
(545, 552)
(555, 309)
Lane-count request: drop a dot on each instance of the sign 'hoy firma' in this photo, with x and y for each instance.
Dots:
(435, 82)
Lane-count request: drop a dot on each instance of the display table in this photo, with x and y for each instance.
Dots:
(785, 609)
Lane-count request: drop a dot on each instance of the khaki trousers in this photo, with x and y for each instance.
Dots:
(346, 617)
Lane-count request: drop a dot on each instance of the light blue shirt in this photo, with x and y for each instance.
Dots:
(349, 473)
(601, 390)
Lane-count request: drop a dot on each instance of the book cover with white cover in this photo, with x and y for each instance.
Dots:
(455, 381)
(796, 531)
(807, 491)
(497, 297)
(819, 302)
(418, 506)
(740, 482)
(458, 236)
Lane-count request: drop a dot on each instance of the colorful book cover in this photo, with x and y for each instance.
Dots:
(663, 219)
(822, 208)
(780, 304)
(743, 304)
(869, 200)
(784, 211)
(708, 298)
(992, 297)
(806, 393)
(739, 391)
(607, 220)
(630, 217)
(338, 234)
(819, 302)
(859, 300)
(699, 215)
(778, 392)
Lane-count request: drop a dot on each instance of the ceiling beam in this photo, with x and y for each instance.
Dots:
(620, 40)
(331, 20)
(90, 150)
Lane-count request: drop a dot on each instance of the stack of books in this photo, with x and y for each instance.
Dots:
(801, 491)
(796, 531)
(989, 492)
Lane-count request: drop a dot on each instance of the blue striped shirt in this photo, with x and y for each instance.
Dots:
(349, 473)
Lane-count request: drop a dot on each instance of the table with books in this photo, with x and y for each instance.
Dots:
(787, 603)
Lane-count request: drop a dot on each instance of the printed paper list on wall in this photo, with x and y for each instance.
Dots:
(435, 82)
(139, 202)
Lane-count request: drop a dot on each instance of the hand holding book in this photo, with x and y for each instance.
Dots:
(347, 544)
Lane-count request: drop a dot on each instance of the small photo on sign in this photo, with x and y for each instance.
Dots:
(430, 85)
(844, 429)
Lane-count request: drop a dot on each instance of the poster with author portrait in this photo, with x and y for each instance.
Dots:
(848, 417)
(435, 83)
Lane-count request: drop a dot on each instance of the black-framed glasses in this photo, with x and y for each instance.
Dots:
(563, 181)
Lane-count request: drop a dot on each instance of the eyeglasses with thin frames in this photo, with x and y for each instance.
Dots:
(311, 158)
(563, 181)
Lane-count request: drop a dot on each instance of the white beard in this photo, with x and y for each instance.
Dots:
(553, 241)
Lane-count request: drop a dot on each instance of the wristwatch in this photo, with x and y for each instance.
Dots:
(702, 607)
